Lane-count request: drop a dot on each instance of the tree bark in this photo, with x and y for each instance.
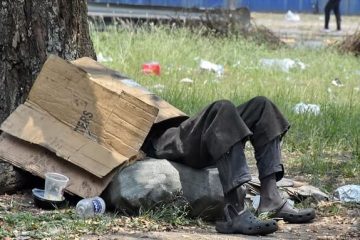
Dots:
(30, 31)
(12, 178)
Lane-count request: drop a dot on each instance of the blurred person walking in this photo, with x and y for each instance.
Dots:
(333, 5)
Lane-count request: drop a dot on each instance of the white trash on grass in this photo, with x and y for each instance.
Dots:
(215, 81)
(292, 17)
(284, 65)
(336, 82)
(187, 81)
(206, 65)
(348, 193)
(158, 87)
(302, 108)
(102, 58)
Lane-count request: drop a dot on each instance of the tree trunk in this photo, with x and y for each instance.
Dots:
(11, 178)
(30, 30)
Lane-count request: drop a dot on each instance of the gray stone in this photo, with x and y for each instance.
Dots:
(307, 191)
(151, 181)
(203, 190)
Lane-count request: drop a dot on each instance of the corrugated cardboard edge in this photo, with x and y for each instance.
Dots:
(37, 160)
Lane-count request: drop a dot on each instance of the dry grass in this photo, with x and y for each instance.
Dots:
(351, 44)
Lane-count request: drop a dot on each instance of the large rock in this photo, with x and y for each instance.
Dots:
(151, 181)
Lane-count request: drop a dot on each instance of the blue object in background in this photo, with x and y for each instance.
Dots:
(307, 6)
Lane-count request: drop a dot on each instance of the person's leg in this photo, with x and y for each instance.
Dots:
(268, 126)
(327, 10)
(203, 139)
(270, 171)
(233, 173)
(264, 120)
(337, 14)
(268, 161)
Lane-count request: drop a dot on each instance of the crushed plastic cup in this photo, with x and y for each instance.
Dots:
(55, 184)
(206, 65)
(302, 108)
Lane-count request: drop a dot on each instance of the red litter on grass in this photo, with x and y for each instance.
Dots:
(152, 68)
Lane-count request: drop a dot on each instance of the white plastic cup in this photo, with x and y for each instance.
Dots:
(55, 184)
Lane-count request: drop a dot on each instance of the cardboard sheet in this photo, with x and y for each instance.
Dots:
(114, 119)
(86, 123)
(37, 160)
(40, 128)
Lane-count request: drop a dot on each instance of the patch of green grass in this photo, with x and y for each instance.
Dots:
(66, 225)
(27, 222)
(54, 225)
(175, 212)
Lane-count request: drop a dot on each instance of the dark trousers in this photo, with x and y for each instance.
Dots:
(204, 139)
(335, 6)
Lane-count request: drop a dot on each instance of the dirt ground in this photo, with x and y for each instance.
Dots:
(344, 224)
(321, 229)
(309, 30)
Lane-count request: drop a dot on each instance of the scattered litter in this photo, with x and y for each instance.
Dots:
(211, 81)
(236, 64)
(256, 201)
(159, 87)
(284, 65)
(187, 80)
(301, 108)
(329, 90)
(357, 89)
(90, 207)
(311, 191)
(348, 193)
(151, 68)
(101, 58)
(292, 17)
(337, 82)
(218, 69)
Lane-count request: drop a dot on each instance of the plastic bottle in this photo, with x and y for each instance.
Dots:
(89, 207)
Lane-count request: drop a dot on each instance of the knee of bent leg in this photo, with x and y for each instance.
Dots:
(260, 100)
(224, 104)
